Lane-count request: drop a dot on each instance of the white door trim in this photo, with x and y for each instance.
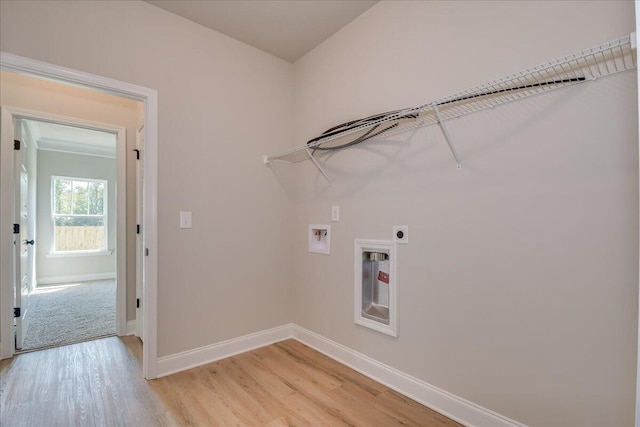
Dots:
(121, 197)
(637, 35)
(139, 223)
(149, 97)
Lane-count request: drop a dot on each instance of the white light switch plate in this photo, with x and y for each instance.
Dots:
(185, 219)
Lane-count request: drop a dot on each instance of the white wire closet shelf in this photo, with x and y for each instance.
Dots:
(588, 65)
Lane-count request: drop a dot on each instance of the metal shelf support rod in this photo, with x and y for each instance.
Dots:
(315, 162)
(445, 132)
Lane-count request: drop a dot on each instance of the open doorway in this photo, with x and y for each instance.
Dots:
(124, 91)
(74, 174)
(71, 272)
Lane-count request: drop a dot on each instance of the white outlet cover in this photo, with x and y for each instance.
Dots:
(335, 213)
(402, 230)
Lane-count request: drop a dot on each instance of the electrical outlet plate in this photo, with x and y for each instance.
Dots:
(401, 233)
(335, 213)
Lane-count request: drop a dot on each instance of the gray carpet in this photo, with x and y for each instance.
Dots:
(68, 313)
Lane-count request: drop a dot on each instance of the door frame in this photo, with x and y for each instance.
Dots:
(149, 98)
(11, 114)
(139, 223)
(637, 414)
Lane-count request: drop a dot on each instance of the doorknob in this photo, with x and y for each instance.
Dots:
(28, 242)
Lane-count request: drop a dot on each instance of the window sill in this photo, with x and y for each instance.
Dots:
(77, 254)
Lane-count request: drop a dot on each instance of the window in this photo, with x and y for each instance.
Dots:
(79, 211)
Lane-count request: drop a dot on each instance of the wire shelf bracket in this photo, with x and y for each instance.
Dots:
(604, 60)
(305, 150)
(445, 132)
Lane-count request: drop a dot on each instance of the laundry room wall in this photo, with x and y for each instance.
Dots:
(222, 105)
(518, 287)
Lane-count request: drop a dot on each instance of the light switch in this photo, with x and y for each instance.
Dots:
(185, 219)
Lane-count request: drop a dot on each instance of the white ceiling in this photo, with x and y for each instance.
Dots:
(69, 139)
(287, 29)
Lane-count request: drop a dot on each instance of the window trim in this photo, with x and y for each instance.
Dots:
(105, 218)
(68, 254)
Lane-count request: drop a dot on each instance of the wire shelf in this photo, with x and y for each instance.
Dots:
(588, 65)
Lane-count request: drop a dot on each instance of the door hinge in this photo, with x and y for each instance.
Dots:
(16, 312)
(16, 228)
(137, 228)
(16, 144)
(137, 153)
(146, 251)
(137, 302)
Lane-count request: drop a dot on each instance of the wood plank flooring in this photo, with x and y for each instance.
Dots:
(285, 384)
(94, 383)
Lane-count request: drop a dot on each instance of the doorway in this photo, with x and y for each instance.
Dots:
(78, 167)
(148, 97)
(73, 240)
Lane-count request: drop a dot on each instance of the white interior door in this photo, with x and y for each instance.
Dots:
(139, 235)
(23, 242)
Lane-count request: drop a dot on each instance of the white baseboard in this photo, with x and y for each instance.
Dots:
(190, 359)
(51, 280)
(131, 328)
(447, 404)
(450, 405)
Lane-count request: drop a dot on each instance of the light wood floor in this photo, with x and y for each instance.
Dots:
(100, 383)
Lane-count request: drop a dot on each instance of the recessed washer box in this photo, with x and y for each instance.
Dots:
(375, 285)
(320, 238)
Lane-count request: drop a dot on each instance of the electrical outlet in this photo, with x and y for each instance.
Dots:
(335, 213)
(401, 233)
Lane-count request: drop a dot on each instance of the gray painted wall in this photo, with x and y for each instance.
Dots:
(222, 105)
(518, 289)
(51, 163)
